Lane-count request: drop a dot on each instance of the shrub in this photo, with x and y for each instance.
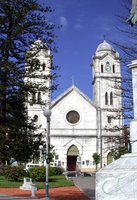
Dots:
(1, 172)
(13, 173)
(51, 156)
(87, 174)
(54, 171)
(96, 158)
(39, 173)
(72, 174)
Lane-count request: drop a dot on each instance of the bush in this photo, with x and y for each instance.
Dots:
(1, 172)
(54, 171)
(86, 174)
(13, 173)
(72, 174)
(96, 158)
(39, 173)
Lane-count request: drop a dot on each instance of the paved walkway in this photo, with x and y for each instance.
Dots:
(7, 197)
(86, 185)
(84, 190)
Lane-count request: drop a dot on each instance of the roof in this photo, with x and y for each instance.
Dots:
(38, 45)
(67, 92)
(104, 46)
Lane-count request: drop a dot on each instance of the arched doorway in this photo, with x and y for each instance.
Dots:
(109, 158)
(72, 154)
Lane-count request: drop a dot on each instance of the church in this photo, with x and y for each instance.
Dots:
(79, 126)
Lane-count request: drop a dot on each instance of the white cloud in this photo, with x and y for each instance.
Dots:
(63, 21)
(78, 27)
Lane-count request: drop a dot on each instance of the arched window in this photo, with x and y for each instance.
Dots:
(39, 97)
(113, 68)
(111, 98)
(37, 66)
(44, 67)
(109, 158)
(109, 119)
(31, 67)
(36, 118)
(106, 98)
(102, 68)
(34, 97)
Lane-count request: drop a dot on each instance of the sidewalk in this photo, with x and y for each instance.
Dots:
(86, 185)
(63, 193)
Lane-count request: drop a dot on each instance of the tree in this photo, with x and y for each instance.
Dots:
(21, 23)
(128, 50)
(120, 145)
(126, 43)
(96, 158)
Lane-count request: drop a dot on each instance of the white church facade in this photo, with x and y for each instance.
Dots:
(80, 126)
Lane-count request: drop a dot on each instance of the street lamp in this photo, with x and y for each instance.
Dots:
(40, 148)
(47, 114)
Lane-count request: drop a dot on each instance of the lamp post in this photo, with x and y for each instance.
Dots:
(40, 148)
(47, 114)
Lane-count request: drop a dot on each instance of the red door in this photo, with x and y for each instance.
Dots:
(71, 163)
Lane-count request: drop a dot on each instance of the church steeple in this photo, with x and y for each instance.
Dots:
(106, 73)
(107, 97)
(38, 65)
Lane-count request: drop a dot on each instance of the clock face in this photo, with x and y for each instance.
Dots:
(108, 67)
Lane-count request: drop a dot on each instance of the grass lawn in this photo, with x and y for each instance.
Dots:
(54, 182)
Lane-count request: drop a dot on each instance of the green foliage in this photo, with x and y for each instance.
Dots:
(128, 52)
(54, 182)
(1, 172)
(39, 173)
(21, 23)
(72, 175)
(119, 152)
(120, 143)
(87, 174)
(59, 181)
(55, 171)
(13, 173)
(96, 158)
(51, 156)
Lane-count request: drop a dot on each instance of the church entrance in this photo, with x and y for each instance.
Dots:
(72, 154)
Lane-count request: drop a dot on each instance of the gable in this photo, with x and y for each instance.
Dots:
(76, 102)
(105, 56)
(67, 92)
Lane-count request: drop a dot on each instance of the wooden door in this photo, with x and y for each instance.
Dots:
(71, 163)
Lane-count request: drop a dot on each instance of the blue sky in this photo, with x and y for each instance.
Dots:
(84, 24)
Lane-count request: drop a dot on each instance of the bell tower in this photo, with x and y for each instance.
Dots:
(106, 77)
(38, 66)
(107, 92)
